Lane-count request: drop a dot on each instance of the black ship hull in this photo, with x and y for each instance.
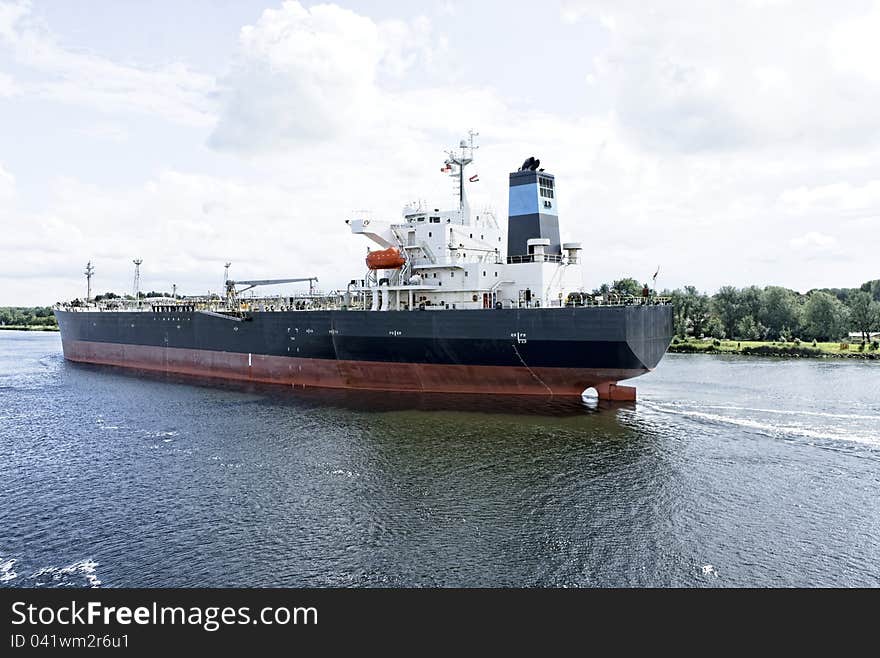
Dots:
(511, 351)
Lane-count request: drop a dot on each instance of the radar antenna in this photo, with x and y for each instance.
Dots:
(461, 160)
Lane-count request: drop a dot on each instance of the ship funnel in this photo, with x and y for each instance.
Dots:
(531, 212)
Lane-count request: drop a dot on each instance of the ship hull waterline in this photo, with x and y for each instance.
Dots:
(560, 352)
(356, 375)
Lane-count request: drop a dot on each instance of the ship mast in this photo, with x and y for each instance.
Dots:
(136, 285)
(461, 160)
(90, 272)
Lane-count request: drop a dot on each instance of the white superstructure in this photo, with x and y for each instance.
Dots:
(458, 258)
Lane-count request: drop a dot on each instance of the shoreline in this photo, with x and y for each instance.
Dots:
(26, 327)
(777, 350)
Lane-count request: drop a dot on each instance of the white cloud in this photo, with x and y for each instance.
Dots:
(75, 77)
(183, 225)
(738, 125)
(854, 47)
(8, 86)
(311, 74)
(718, 75)
(10, 14)
(447, 8)
(7, 184)
(814, 240)
(815, 246)
(112, 132)
(407, 44)
(303, 74)
(834, 199)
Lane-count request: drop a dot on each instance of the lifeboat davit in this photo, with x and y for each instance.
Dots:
(387, 259)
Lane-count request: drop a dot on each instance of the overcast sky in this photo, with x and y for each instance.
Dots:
(728, 142)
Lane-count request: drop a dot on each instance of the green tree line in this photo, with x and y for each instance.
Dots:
(769, 313)
(27, 316)
(141, 295)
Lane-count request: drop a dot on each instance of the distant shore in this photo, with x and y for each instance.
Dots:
(803, 349)
(25, 327)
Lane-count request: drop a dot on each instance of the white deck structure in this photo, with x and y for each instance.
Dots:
(457, 258)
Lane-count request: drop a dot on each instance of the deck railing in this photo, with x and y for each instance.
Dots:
(327, 302)
(536, 258)
(586, 299)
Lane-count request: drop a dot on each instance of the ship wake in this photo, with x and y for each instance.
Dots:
(754, 420)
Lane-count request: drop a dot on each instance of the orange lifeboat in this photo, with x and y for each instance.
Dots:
(387, 259)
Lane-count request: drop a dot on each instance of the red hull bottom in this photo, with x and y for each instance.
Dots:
(363, 375)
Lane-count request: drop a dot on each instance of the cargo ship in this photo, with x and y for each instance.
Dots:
(444, 304)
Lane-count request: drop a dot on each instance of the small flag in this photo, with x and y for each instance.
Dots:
(656, 273)
(474, 178)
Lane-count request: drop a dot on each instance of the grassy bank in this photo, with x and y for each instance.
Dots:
(767, 348)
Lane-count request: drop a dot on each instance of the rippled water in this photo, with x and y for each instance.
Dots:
(730, 471)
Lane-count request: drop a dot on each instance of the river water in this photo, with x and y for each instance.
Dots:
(729, 471)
